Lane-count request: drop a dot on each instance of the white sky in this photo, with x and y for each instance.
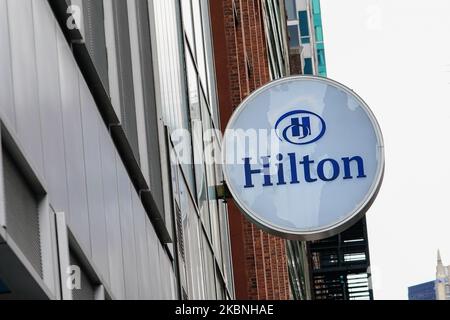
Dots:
(396, 55)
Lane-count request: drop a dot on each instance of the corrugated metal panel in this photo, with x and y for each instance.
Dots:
(153, 266)
(64, 138)
(167, 276)
(50, 105)
(77, 213)
(97, 221)
(22, 215)
(26, 94)
(127, 227)
(141, 247)
(110, 194)
(6, 87)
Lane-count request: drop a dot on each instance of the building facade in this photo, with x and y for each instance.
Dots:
(250, 45)
(442, 285)
(306, 46)
(337, 268)
(438, 289)
(95, 200)
(423, 291)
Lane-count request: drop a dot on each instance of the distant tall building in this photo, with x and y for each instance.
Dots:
(423, 291)
(433, 290)
(442, 280)
(337, 268)
(306, 46)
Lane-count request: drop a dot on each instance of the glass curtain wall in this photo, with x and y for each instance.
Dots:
(154, 59)
(203, 237)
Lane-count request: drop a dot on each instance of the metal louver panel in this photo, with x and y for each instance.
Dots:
(22, 214)
(95, 38)
(180, 234)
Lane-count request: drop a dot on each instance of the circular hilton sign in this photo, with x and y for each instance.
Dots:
(303, 157)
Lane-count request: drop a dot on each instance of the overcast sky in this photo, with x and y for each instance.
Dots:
(396, 55)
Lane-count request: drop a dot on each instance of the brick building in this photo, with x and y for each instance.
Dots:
(250, 47)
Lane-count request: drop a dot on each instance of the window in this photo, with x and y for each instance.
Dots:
(316, 6)
(211, 75)
(220, 290)
(291, 9)
(319, 34)
(199, 42)
(3, 288)
(209, 277)
(293, 36)
(308, 68)
(354, 257)
(304, 26)
(178, 227)
(195, 260)
(275, 65)
(225, 236)
(211, 144)
(304, 23)
(173, 101)
(197, 138)
(203, 199)
(186, 9)
(322, 65)
(321, 57)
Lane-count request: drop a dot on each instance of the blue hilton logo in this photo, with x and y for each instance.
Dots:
(300, 128)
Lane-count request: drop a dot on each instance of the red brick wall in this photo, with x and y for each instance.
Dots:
(259, 259)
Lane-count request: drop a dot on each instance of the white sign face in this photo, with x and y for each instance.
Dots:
(303, 157)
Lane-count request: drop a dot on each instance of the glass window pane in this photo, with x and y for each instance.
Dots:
(195, 117)
(308, 69)
(293, 36)
(204, 199)
(304, 23)
(319, 34)
(306, 40)
(193, 255)
(219, 288)
(210, 147)
(291, 9)
(316, 6)
(208, 260)
(186, 10)
(210, 71)
(321, 57)
(199, 42)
